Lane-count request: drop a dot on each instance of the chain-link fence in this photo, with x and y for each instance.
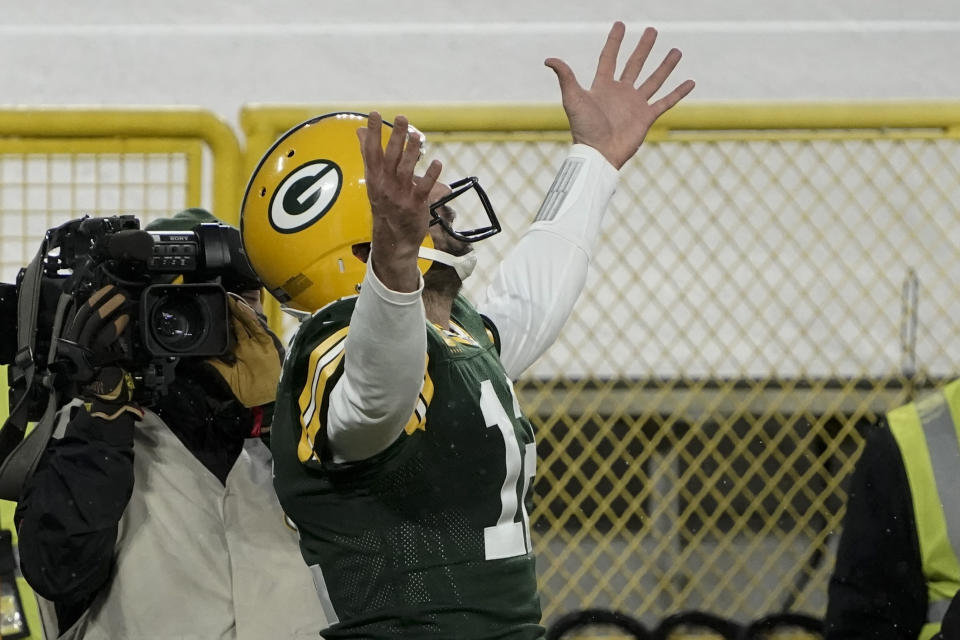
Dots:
(757, 299)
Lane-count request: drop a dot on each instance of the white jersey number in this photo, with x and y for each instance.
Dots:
(508, 537)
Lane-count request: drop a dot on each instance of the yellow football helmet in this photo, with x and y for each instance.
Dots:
(304, 210)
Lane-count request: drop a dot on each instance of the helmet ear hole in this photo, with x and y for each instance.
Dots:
(362, 251)
(290, 153)
(263, 191)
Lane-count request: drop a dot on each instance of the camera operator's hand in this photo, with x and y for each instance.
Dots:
(252, 369)
(94, 341)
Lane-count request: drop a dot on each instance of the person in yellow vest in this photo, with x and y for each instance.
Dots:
(897, 566)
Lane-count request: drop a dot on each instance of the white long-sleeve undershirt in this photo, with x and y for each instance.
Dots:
(537, 284)
(384, 364)
(529, 300)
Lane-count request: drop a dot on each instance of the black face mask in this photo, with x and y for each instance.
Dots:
(471, 228)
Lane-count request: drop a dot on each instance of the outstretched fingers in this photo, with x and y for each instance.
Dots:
(634, 65)
(370, 147)
(652, 84)
(395, 145)
(410, 156)
(608, 56)
(614, 115)
(395, 163)
(424, 184)
(665, 103)
(565, 75)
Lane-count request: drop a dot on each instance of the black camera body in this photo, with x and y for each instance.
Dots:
(177, 282)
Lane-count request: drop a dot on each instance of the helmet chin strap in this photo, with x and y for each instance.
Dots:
(463, 265)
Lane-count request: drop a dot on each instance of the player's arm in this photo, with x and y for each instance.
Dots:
(537, 285)
(383, 368)
(385, 349)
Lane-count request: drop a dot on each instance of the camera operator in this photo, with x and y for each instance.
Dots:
(162, 522)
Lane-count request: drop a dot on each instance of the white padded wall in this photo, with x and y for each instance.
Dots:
(220, 55)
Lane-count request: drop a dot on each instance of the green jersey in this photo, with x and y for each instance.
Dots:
(429, 538)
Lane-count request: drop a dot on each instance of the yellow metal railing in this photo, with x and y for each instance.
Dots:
(64, 130)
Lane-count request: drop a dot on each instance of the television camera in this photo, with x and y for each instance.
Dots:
(175, 282)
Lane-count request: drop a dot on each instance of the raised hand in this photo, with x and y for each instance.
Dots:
(614, 115)
(399, 201)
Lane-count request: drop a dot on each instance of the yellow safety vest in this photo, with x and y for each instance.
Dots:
(928, 436)
(19, 615)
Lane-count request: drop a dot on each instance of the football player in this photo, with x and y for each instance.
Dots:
(400, 451)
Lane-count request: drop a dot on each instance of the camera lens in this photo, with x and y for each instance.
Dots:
(179, 322)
